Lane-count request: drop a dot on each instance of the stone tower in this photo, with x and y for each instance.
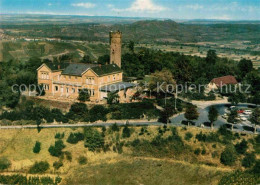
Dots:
(115, 47)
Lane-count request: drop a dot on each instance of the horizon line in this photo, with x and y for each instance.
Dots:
(130, 17)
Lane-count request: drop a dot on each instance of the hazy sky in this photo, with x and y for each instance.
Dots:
(176, 9)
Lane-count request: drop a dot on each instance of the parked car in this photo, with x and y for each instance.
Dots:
(247, 112)
(242, 118)
(232, 107)
(225, 116)
(240, 111)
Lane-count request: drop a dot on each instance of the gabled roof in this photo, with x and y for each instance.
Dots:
(77, 69)
(224, 80)
(106, 69)
(55, 66)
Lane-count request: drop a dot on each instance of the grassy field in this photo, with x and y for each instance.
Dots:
(144, 171)
(112, 167)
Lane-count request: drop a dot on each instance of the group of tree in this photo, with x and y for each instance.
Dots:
(192, 70)
(29, 180)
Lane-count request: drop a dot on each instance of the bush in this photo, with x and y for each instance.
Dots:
(188, 136)
(84, 95)
(37, 147)
(56, 150)
(115, 128)
(256, 168)
(77, 111)
(82, 160)
(4, 163)
(228, 156)
(257, 139)
(57, 165)
(197, 151)
(20, 179)
(133, 110)
(241, 147)
(94, 139)
(225, 132)
(249, 160)
(135, 142)
(59, 135)
(98, 112)
(211, 137)
(74, 138)
(118, 147)
(238, 177)
(39, 167)
(68, 156)
(203, 152)
(126, 132)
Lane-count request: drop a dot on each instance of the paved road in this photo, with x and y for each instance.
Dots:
(79, 125)
(175, 121)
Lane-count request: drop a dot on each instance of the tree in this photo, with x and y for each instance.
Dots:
(57, 164)
(94, 139)
(126, 132)
(232, 118)
(212, 115)
(39, 167)
(256, 98)
(98, 112)
(84, 95)
(56, 150)
(244, 66)
(166, 114)
(112, 98)
(74, 138)
(82, 160)
(256, 168)
(241, 147)
(236, 97)
(228, 156)
(162, 82)
(77, 111)
(86, 59)
(249, 160)
(255, 117)
(211, 57)
(182, 70)
(40, 90)
(4, 163)
(191, 113)
(105, 59)
(37, 147)
(131, 46)
(253, 78)
(8, 97)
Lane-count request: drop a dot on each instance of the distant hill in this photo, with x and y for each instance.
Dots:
(142, 31)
